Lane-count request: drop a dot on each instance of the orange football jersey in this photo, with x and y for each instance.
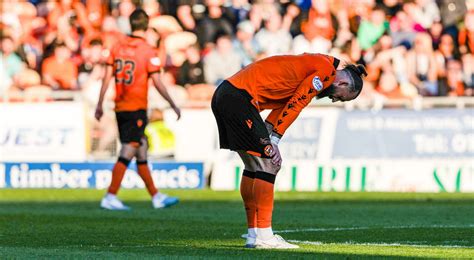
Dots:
(133, 60)
(286, 84)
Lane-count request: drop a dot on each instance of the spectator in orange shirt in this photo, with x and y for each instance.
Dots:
(59, 71)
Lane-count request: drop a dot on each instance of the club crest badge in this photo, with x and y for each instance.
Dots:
(268, 150)
(317, 84)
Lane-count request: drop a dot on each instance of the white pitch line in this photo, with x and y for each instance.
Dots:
(410, 244)
(362, 228)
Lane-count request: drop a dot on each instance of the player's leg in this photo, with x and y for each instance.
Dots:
(110, 201)
(128, 123)
(159, 200)
(247, 193)
(143, 169)
(264, 196)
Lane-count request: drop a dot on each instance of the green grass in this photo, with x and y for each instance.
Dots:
(69, 224)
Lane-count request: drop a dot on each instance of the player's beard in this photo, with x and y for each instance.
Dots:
(326, 92)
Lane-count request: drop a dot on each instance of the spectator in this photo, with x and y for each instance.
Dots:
(222, 61)
(309, 42)
(385, 62)
(125, 8)
(454, 82)
(468, 72)
(273, 39)
(240, 10)
(59, 72)
(109, 33)
(190, 13)
(436, 31)
(402, 29)
(258, 28)
(152, 8)
(292, 19)
(192, 70)
(421, 66)
(94, 55)
(350, 52)
(388, 86)
(70, 11)
(444, 54)
(452, 12)
(391, 7)
(466, 47)
(10, 60)
(425, 12)
(245, 44)
(191, 75)
(343, 34)
(214, 23)
(371, 30)
(320, 22)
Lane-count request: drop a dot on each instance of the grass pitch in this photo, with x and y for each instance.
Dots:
(69, 224)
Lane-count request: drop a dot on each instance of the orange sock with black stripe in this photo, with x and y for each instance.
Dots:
(117, 174)
(263, 190)
(144, 172)
(246, 191)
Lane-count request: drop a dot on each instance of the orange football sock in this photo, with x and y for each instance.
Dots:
(263, 190)
(246, 191)
(117, 174)
(145, 174)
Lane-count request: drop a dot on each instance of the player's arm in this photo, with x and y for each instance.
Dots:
(303, 95)
(105, 85)
(164, 93)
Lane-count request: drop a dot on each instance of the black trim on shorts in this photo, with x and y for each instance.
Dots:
(124, 161)
(265, 176)
(249, 174)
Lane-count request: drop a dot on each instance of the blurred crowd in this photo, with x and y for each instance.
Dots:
(410, 47)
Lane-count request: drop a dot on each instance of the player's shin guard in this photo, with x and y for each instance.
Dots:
(144, 172)
(246, 191)
(117, 174)
(263, 190)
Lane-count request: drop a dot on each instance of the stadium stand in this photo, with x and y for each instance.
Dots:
(419, 53)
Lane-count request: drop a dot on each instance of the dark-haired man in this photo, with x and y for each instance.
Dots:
(131, 63)
(284, 84)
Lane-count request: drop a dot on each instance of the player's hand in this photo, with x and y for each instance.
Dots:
(99, 113)
(275, 155)
(178, 112)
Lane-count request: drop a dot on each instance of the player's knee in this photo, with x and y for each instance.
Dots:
(266, 165)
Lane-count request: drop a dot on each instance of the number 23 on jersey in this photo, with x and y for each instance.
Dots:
(124, 70)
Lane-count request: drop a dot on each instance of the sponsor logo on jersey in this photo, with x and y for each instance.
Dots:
(317, 84)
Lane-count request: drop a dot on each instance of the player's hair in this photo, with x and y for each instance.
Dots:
(59, 44)
(356, 72)
(138, 20)
(96, 42)
(5, 37)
